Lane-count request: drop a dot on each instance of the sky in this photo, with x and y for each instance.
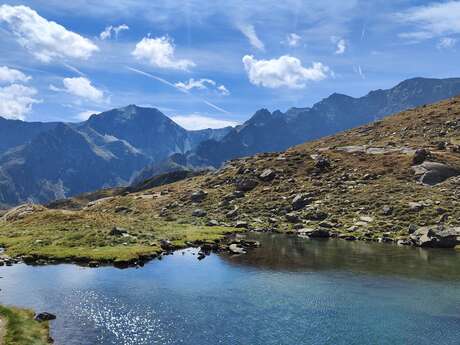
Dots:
(214, 63)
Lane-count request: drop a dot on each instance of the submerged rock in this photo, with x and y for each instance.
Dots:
(236, 249)
(42, 317)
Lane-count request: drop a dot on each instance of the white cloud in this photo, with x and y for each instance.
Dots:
(293, 40)
(109, 30)
(46, 40)
(223, 90)
(84, 115)
(433, 20)
(195, 84)
(10, 75)
(250, 32)
(16, 101)
(341, 45)
(202, 84)
(159, 52)
(446, 43)
(80, 87)
(286, 71)
(196, 121)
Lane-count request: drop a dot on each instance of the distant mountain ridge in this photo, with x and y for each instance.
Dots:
(41, 162)
(277, 131)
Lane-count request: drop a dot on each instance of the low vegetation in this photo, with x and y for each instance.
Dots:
(22, 329)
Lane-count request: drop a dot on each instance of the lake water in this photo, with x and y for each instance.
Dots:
(289, 291)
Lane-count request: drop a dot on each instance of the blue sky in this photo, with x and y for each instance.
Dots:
(214, 63)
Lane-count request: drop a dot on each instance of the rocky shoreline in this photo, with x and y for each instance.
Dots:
(235, 244)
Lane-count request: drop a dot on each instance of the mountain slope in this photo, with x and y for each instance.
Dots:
(375, 183)
(276, 131)
(56, 160)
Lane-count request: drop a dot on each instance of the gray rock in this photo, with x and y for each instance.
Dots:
(435, 237)
(322, 163)
(432, 173)
(42, 317)
(116, 231)
(300, 201)
(314, 233)
(292, 217)
(232, 214)
(236, 249)
(198, 196)
(387, 210)
(267, 175)
(199, 213)
(246, 184)
(212, 222)
(420, 155)
(415, 206)
(241, 224)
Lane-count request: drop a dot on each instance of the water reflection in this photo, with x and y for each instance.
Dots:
(291, 253)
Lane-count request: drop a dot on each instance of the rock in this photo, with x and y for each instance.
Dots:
(199, 213)
(236, 249)
(415, 206)
(322, 163)
(232, 214)
(300, 201)
(201, 256)
(316, 215)
(21, 212)
(241, 224)
(250, 243)
(93, 264)
(122, 209)
(420, 155)
(246, 184)
(166, 245)
(116, 231)
(212, 222)
(42, 317)
(235, 195)
(292, 217)
(432, 173)
(387, 210)
(198, 196)
(366, 219)
(412, 228)
(267, 175)
(435, 237)
(314, 233)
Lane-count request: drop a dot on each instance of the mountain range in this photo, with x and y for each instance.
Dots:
(41, 162)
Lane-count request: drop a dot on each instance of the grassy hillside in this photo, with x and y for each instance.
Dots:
(360, 184)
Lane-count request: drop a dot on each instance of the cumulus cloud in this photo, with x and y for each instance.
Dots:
(341, 45)
(196, 121)
(286, 71)
(84, 115)
(202, 84)
(433, 20)
(444, 43)
(10, 75)
(46, 40)
(80, 87)
(250, 32)
(16, 101)
(112, 30)
(293, 40)
(160, 52)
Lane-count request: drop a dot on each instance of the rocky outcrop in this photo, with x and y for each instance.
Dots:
(432, 173)
(435, 237)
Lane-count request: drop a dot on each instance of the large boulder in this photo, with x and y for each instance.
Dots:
(436, 236)
(245, 184)
(432, 173)
(314, 233)
(420, 155)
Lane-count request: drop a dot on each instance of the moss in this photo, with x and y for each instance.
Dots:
(22, 329)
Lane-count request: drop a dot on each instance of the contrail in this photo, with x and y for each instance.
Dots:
(164, 81)
(74, 69)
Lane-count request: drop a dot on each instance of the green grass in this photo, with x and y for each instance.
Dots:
(22, 329)
(84, 236)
